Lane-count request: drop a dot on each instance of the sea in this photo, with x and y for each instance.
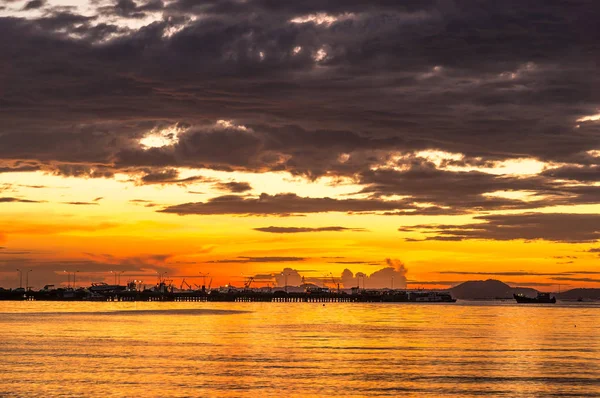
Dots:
(169, 349)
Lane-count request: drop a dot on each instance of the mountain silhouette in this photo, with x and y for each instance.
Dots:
(488, 289)
(584, 293)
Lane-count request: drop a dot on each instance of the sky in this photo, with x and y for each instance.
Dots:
(422, 142)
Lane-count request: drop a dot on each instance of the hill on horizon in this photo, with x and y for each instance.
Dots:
(488, 289)
(584, 293)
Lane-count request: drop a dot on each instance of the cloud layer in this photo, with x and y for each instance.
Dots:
(422, 104)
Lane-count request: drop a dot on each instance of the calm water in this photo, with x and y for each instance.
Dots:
(298, 349)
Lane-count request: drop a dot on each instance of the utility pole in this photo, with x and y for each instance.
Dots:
(27, 279)
(68, 279)
(20, 278)
(74, 278)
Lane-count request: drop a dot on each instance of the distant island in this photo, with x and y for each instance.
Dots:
(490, 289)
(493, 289)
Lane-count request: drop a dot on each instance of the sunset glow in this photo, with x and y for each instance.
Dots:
(179, 138)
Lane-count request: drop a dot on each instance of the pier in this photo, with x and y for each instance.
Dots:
(164, 294)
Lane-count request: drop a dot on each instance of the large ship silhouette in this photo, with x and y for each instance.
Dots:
(542, 298)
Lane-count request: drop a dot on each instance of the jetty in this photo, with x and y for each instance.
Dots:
(164, 292)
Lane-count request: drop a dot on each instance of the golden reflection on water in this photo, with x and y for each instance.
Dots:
(297, 349)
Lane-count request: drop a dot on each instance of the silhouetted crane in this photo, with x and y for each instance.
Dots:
(335, 283)
(183, 282)
(249, 281)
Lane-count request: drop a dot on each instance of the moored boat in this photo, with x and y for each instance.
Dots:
(542, 298)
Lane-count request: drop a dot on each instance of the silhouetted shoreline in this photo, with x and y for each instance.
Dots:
(163, 292)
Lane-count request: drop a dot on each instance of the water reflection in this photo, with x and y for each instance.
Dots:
(297, 349)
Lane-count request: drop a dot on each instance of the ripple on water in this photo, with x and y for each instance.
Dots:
(250, 349)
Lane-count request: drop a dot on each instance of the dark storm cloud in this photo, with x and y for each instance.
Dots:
(296, 230)
(280, 204)
(557, 227)
(498, 81)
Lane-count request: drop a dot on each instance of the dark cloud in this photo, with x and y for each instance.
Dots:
(499, 81)
(82, 203)
(34, 5)
(83, 171)
(295, 230)
(583, 272)
(592, 280)
(18, 200)
(13, 252)
(576, 173)
(425, 183)
(557, 227)
(143, 202)
(246, 259)
(131, 9)
(507, 273)
(169, 176)
(281, 204)
(36, 186)
(19, 169)
(234, 186)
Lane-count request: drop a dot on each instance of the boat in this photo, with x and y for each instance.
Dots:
(542, 298)
(431, 297)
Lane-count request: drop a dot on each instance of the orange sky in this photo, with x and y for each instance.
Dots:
(112, 233)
